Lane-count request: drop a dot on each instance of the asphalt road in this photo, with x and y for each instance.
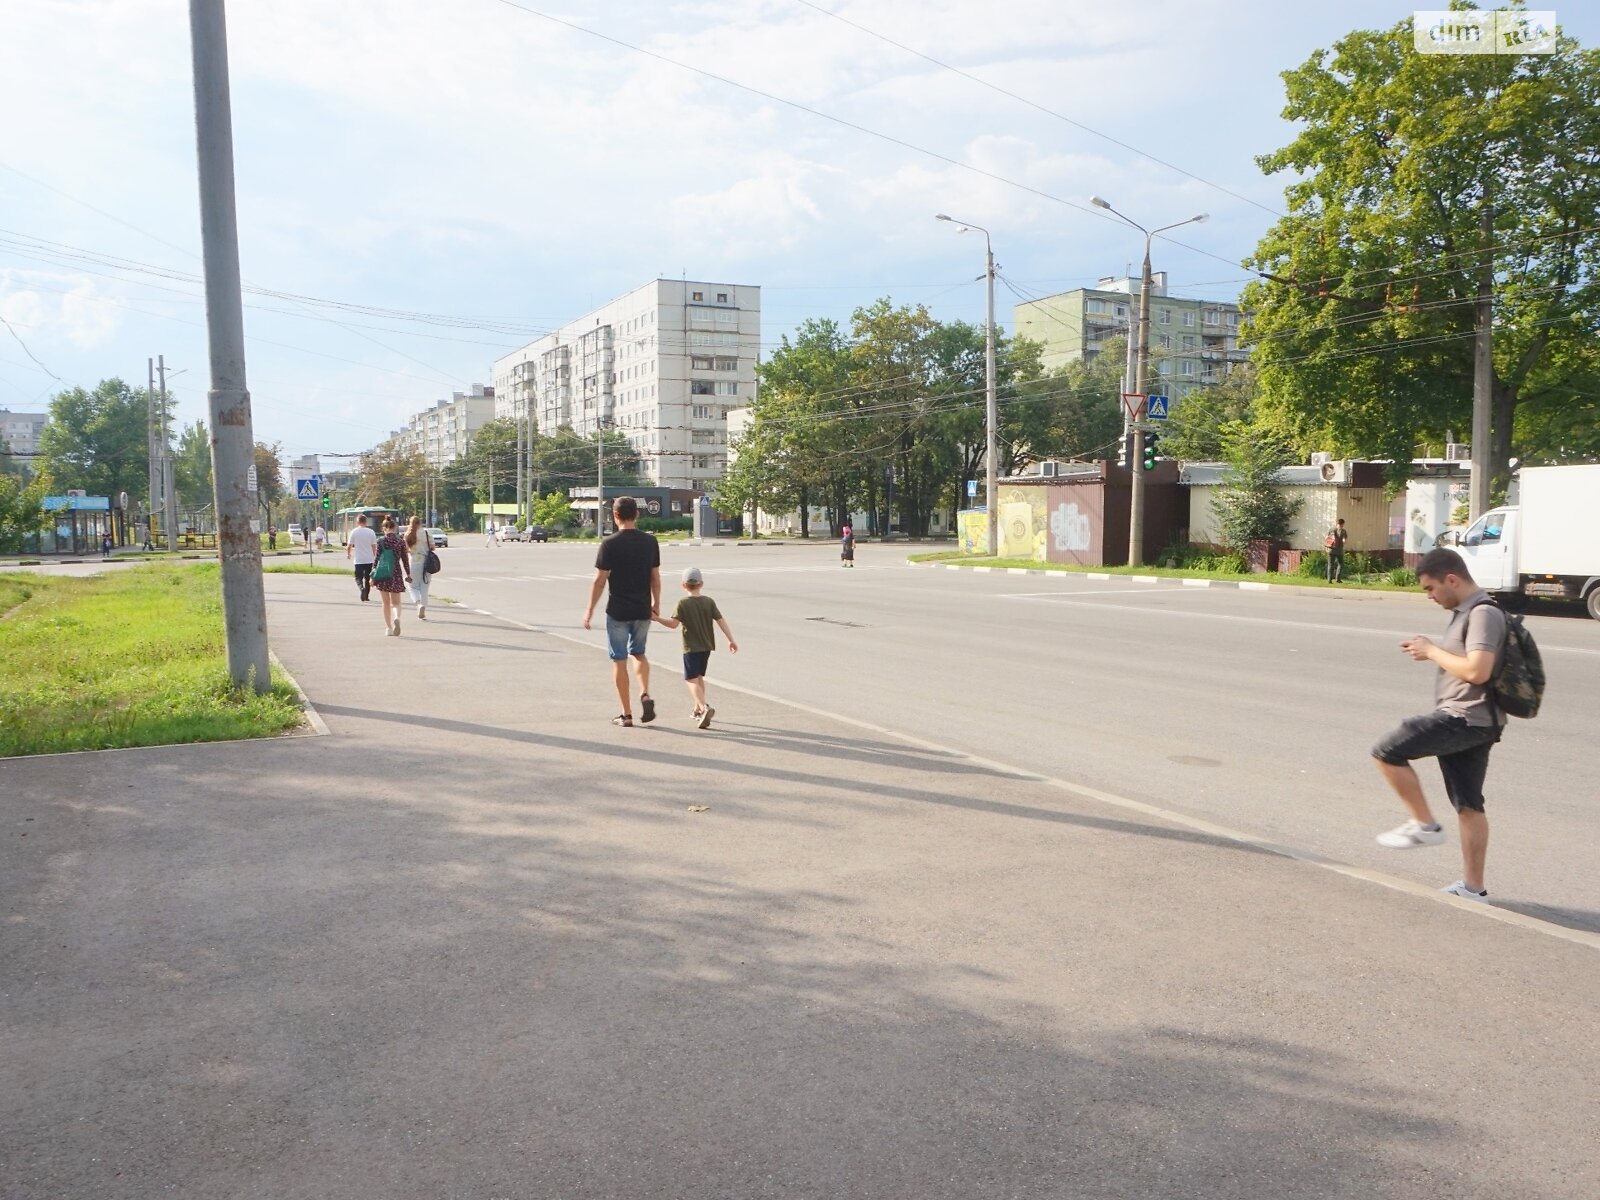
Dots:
(1255, 710)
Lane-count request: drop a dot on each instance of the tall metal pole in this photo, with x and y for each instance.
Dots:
(1141, 374)
(150, 439)
(244, 607)
(1482, 377)
(169, 477)
(599, 479)
(991, 410)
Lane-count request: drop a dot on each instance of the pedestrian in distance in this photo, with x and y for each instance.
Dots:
(488, 534)
(1335, 544)
(105, 547)
(319, 538)
(700, 617)
(145, 543)
(1462, 728)
(419, 544)
(361, 548)
(847, 546)
(629, 565)
(391, 573)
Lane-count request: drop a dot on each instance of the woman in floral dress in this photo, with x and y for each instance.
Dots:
(394, 587)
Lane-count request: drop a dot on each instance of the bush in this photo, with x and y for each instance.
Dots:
(666, 524)
(1313, 565)
(1401, 577)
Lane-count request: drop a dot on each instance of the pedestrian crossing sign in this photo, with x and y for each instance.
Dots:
(309, 488)
(1156, 408)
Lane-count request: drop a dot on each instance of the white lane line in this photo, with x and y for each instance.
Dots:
(1410, 887)
(1088, 595)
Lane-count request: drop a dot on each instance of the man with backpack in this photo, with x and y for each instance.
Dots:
(1466, 720)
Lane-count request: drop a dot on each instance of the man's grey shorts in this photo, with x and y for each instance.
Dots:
(1462, 751)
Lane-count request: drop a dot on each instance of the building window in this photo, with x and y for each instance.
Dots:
(1187, 367)
(727, 364)
(702, 362)
(722, 297)
(727, 316)
(703, 317)
(703, 437)
(702, 387)
(1213, 317)
(699, 295)
(703, 411)
(724, 339)
(1188, 318)
(1122, 310)
(700, 339)
(1165, 316)
(1233, 319)
(727, 387)
(1188, 341)
(1097, 306)
(1165, 341)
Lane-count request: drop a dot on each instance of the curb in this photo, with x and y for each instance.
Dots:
(1241, 585)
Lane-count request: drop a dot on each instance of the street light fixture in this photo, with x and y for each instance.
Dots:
(991, 453)
(1141, 374)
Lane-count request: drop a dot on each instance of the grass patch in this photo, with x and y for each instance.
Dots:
(1383, 582)
(289, 567)
(130, 658)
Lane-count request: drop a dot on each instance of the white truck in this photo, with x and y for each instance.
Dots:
(1547, 544)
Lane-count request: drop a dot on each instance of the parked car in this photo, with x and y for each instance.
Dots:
(507, 533)
(438, 537)
(296, 534)
(536, 533)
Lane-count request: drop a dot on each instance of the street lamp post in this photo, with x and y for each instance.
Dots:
(991, 454)
(1136, 426)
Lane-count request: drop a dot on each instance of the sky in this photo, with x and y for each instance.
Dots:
(425, 185)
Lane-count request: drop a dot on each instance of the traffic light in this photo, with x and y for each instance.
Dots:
(327, 502)
(1151, 441)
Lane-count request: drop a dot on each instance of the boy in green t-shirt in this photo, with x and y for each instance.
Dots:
(698, 614)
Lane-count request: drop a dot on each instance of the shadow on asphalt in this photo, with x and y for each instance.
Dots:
(1572, 918)
(897, 757)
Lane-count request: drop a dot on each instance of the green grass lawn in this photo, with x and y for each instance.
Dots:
(129, 658)
(1374, 583)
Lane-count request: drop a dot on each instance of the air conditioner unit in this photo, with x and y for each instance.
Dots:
(1336, 471)
(1320, 457)
(1458, 452)
(1050, 468)
(76, 492)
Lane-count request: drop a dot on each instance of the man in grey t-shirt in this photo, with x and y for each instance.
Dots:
(1463, 726)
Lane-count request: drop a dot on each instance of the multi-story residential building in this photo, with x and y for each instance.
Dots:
(662, 365)
(19, 434)
(441, 434)
(1192, 342)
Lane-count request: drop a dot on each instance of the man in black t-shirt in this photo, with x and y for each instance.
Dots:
(630, 562)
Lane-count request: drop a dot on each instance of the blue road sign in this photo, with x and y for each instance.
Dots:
(972, 487)
(1155, 408)
(309, 488)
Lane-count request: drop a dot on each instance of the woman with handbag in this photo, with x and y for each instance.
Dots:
(424, 563)
(390, 574)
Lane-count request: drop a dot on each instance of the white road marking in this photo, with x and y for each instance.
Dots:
(1410, 887)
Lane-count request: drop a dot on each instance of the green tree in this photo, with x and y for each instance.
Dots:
(1251, 504)
(21, 510)
(388, 475)
(552, 511)
(1195, 431)
(269, 476)
(98, 440)
(566, 459)
(1418, 177)
(191, 465)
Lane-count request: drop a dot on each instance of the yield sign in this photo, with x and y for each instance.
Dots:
(1134, 403)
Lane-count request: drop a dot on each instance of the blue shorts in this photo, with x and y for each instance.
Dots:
(695, 663)
(626, 637)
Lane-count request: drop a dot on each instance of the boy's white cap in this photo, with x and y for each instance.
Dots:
(692, 575)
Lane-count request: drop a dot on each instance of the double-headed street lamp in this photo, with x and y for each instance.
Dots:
(1141, 374)
(991, 454)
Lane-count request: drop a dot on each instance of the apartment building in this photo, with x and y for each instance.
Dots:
(441, 434)
(19, 434)
(662, 364)
(1193, 343)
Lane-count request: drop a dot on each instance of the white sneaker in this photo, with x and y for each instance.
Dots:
(1460, 888)
(1411, 835)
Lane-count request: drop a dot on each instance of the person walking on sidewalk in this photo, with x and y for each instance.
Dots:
(488, 535)
(847, 546)
(700, 618)
(105, 547)
(1463, 726)
(1335, 543)
(391, 573)
(629, 563)
(362, 548)
(419, 544)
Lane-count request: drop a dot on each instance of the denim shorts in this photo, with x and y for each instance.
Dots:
(1462, 751)
(626, 638)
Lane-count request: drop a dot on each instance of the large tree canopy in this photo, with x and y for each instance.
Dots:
(1418, 176)
(98, 440)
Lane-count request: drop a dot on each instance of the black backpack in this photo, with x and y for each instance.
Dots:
(1518, 683)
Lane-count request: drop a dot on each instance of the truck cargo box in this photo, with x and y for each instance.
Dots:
(1560, 520)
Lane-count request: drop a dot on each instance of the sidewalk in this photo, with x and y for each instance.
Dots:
(474, 943)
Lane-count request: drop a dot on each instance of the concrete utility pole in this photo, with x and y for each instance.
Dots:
(169, 477)
(1483, 376)
(244, 607)
(599, 478)
(1136, 427)
(991, 452)
(150, 439)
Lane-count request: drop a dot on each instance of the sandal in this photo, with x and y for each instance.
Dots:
(649, 710)
(624, 720)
